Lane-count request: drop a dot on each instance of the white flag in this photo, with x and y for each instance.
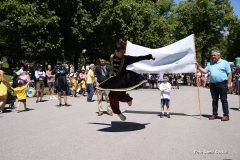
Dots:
(178, 57)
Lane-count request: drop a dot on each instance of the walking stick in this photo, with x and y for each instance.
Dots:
(198, 84)
(199, 101)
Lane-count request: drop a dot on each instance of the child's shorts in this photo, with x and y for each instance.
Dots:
(165, 102)
(22, 100)
(40, 85)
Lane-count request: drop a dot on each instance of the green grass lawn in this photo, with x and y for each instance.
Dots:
(8, 78)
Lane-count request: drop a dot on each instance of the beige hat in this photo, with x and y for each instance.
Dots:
(91, 66)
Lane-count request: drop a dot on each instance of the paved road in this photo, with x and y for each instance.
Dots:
(77, 133)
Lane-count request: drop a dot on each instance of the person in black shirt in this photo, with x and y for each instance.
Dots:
(102, 73)
(60, 73)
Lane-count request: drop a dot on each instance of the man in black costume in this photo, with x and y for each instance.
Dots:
(122, 80)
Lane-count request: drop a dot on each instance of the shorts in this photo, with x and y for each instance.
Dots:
(165, 102)
(61, 88)
(61, 84)
(51, 85)
(40, 85)
(22, 100)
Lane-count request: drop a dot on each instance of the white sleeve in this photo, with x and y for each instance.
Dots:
(44, 74)
(161, 87)
(36, 74)
(168, 87)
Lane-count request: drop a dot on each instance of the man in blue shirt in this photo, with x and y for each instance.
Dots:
(220, 82)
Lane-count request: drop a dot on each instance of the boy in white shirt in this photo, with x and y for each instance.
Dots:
(165, 88)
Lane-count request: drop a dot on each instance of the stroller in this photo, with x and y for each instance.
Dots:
(10, 100)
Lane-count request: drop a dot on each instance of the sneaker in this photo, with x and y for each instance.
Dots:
(60, 104)
(161, 115)
(168, 115)
(213, 117)
(26, 109)
(129, 103)
(100, 113)
(67, 105)
(37, 101)
(122, 117)
(90, 100)
(110, 113)
(165, 114)
(225, 118)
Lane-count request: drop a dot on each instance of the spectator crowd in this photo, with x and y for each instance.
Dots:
(64, 80)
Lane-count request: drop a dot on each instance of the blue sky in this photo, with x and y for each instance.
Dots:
(235, 4)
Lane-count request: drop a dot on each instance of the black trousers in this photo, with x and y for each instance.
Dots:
(219, 90)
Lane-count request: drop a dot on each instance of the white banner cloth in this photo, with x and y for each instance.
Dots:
(178, 57)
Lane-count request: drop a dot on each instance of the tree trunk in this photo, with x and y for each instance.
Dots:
(76, 57)
(203, 57)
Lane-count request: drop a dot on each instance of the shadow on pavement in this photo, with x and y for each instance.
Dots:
(44, 100)
(30, 109)
(172, 113)
(7, 110)
(235, 109)
(104, 112)
(141, 112)
(104, 124)
(121, 126)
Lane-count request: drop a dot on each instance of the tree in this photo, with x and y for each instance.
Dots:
(143, 22)
(75, 26)
(30, 31)
(233, 40)
(207, 19)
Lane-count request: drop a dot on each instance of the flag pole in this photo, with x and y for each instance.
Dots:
(197, 82)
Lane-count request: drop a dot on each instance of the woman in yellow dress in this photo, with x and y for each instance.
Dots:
(74, 85)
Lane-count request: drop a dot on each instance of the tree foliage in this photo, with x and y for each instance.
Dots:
(29, 30)
(51, 30)
(208, 19)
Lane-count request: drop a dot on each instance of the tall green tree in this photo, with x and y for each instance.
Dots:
(29, 30)
(207, 19)
(233, 39)
(75, 26)
(142, 22)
